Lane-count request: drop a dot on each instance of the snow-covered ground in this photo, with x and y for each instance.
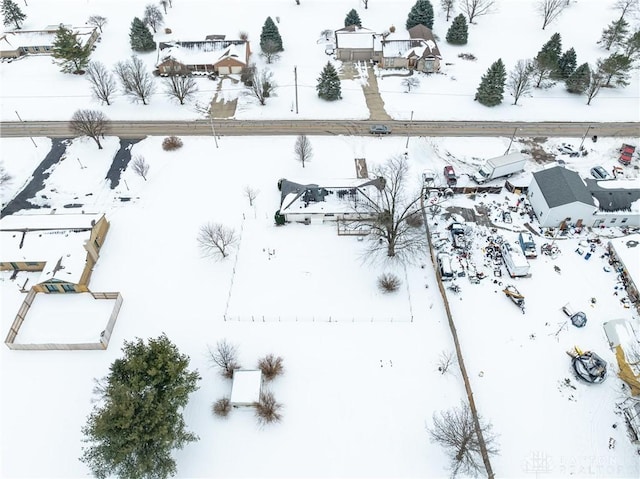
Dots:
(359, 389)
(35, 89)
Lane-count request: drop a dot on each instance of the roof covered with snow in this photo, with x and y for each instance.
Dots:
(561, 186)
(355, 37)
(204, 51)
(628, 250)
(247, 384)
(37, 222)
(38, 38)
(614, 195)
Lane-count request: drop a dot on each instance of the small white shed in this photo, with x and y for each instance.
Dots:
(246, 388)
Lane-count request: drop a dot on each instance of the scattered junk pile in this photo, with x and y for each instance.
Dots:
(588, 366)
(578, 319)
(550, 249)
(514, 295)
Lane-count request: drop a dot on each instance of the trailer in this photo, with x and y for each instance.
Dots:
(514, 260)
(505, 165)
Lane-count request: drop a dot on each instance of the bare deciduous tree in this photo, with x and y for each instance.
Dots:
(445, 361)
(596, 81)
(225, 356)
(411, 82)
(251, 194)
(262, 85)
(136, 81)
(455, 430)
(140, 166)
(476, 8)
(390, 232)
(267, 409)
(549, 10)
(182, 88)
(153, 17)
(270, 51)
(97, 21)
(165, 4)
(92, 123)
(626, 6)
(215, 239)
(271, 366)
(303, 149)
(520, 80)
(326, 35)
(103, 85)
(447, 6)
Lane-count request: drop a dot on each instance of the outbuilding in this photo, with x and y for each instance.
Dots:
(246, 388)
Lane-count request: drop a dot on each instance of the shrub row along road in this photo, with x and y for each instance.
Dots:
(141, 129)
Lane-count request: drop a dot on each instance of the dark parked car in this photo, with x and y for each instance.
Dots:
(450, 175)
(379, 130)
(599, 173)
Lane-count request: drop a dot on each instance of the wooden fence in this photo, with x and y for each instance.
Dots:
(102, 344)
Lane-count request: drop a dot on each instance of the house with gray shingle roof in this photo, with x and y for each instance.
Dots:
(618, 202)
(558, 194)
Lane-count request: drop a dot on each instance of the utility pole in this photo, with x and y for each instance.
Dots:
(31, 138)
(410, 121)
(213, 130)
(511, 142)
(583, 137)
(295, 77)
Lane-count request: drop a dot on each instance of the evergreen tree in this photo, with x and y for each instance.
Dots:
(270, 38)
(328, 86)
(614, 34)
(420, 14)
(139, 420)
(458, 31)
(615, 68)
(352, 18)
(545, 63)
(567, 64)
(140, 37)
(12, 13)
(632, 45)
(70, 54)
(579, 80)
(491, 87)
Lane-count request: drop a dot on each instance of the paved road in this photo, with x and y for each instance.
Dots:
(140, 129)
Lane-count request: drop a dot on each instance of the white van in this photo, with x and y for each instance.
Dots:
(444, 266)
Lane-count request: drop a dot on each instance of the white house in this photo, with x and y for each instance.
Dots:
(618, 202)
(559, 195)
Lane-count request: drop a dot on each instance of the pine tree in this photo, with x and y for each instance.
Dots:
(615, 68)
(352, 18)
(567, 64)
(631, 45)
(614, 34)
(545, 63)
(328, 86)
(12, 13)
(579, 80)
(270, 38)
(420, 14)
(139, 418)
(491, 89)
(70, 54)
(140, 37)
(458, 31)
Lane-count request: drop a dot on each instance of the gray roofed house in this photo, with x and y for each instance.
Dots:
(613, 199)
(559, 195)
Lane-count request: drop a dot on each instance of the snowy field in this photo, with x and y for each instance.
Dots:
(366, 389)
(35, 89)
(65, 318)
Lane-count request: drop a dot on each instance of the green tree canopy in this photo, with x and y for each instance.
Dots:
(69, 52)
(458, 31)
(140, 37)
(420, 14)
(328, 86)
(12, 14)
(270, 38)
(491, 89)
(567, 64)
(139, 420)
(352, 18)
(579, 80)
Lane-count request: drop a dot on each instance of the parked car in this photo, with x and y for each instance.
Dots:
(566, 149)
(599, 173)
(428, 176)
(450, 175)
(379, 130)
(444, 266)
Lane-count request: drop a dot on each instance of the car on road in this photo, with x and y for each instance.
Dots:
(379, 130)
(599, 173)
(450, 175)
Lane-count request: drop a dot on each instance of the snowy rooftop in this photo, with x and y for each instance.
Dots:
(196, 53)
(355, 37)
(246, 386)
(36, 222)
(38, 38)
(630, 255)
